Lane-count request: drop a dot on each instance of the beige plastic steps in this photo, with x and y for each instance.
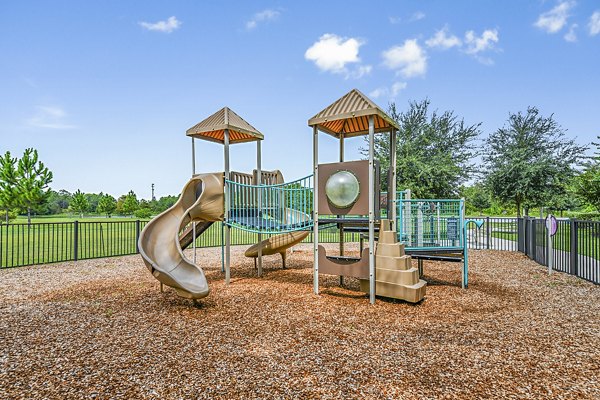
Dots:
(402, 262)
(408, 277)
(390, 249)
(388, 237)
(395, 276)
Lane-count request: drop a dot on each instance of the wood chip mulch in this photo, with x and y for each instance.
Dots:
(102, 329)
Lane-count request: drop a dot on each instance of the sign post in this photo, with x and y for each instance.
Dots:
(551, 228)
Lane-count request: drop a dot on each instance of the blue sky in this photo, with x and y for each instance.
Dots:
(105, 90)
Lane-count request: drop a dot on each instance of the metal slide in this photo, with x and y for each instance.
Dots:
(202, 200)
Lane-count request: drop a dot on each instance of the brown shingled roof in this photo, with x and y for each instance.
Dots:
(349, 115)
(213, 128)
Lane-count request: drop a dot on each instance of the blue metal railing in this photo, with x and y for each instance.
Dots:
(280, 208)
(431, 224)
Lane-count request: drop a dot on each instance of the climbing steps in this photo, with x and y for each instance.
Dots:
(395, 276)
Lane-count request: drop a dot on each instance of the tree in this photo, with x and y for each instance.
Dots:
(160, 205)
(476, 198)
(8, 182)
(562, 202)
(587, 184)
(79, 203)
(528, 161)
(93, 200)
(33, 179)
(107, 205)
(58, 202)
(130, 203)
(433, 152)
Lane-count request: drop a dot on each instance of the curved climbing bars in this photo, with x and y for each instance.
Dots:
(270, 209)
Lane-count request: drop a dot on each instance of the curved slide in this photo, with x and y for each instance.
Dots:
(201, 200)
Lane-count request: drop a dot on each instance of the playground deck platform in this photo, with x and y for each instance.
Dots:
(102, 329)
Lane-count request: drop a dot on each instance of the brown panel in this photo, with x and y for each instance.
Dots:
(361, 170)
(358, 269)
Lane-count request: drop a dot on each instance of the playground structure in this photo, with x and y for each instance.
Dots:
(343, 195)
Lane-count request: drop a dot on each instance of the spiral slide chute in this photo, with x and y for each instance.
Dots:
(201, 200)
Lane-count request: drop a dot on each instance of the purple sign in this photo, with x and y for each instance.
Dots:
(551, 225)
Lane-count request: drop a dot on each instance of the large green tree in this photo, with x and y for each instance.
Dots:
(79, 203)
(107, 205)
(529, 161)
(8, 183)
(130, 203)
(434, 151)
(33, 178)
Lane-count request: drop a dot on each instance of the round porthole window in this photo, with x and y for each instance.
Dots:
(342, 189)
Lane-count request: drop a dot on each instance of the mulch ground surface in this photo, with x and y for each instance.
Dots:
(102, 329)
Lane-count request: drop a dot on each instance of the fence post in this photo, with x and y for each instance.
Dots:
(137, 236)
(532, 247)
(574, 257)
(75, 240)
(520, 246)
(487, 232)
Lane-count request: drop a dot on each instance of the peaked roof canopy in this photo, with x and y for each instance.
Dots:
(349, 116)
(213, 128)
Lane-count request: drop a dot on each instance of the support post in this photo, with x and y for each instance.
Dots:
(392, 182)
(227, 227)
(550, 252)
(194, 240)
(574, 256)
(138, 230)
(75, 239)
(316, 208)
(258, 183)
(465, 271)
(487, 232)
(371, 210)
(193, 157)
(341, 226)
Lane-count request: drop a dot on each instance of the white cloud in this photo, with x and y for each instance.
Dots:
(571, 36)
(444, 40)
(262, 16)
(49, 117)
(359, 72)
(397, 87)
(594, 24)
(482, 43)
(419, 15)
(378, 92)
(167, 26)
(554, 20)
(409, 59)
(390, 92)
(332, 53)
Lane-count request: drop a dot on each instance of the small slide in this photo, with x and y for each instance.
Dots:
(201, 200)
(277, 244)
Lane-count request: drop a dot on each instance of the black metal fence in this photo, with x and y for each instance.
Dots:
(497, 233)
(575, 250)
(44, 243)
(575, 246)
